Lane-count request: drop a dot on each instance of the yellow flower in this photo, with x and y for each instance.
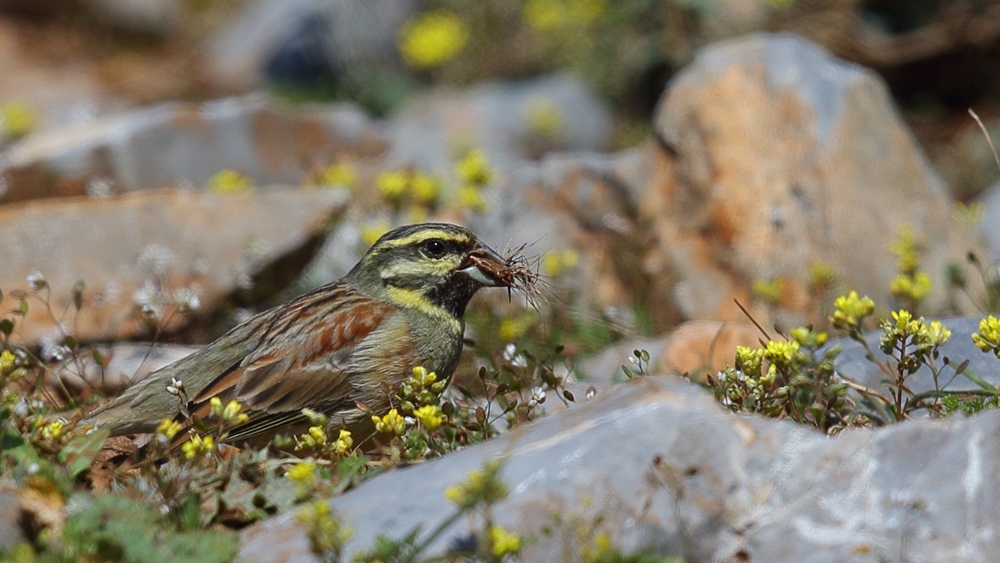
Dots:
(432, 38)
(391, 423)
(512, 328)
(423, 378)
(970, 214)
(472, 199)
(393, 185)
(781, 352)
(303, 473)
(822, 274)
(769, 291)
(553, 16)
(52, 430)
(473, 169)
(425, 188)
(430, 416)
(913, 288)
(7, 361)
(988, 337)
(503, 542)
(344, 442)
(482, 485)
(168, 428)
(907, 251)
(229, 182)
(543, 117)
(17, 119)
(806, 337)
(338, 175)
(749, 360)
(555, 262)
(197, 446)
(371, 233)
(937, 334)
(850, 310)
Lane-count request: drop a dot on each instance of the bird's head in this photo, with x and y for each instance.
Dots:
(433, 267)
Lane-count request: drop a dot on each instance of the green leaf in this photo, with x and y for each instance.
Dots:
(6, 326)
(24, 307)
(80, 452)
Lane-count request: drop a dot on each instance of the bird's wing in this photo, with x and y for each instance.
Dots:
(303, 360)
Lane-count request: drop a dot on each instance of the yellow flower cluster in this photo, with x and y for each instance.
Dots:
(988, 337)
(229, 182)
(391, 423)
(168, 428)
(198, 446)
(850, 310)
(431, 416)
(483, 485)
(543, 117)
(371, 233)
(769, 292)
(432, 39)
(7, 362)
(231, 414)
(822, 275)
(503, 542)
(474, 173)
(907, 251)
(555, 262)
(513, 328)
(555, 16)
(303, 473)
(911, 288)
(904, 329)
(17, 119)
(338, 175)
(418, 188)
(326, 534)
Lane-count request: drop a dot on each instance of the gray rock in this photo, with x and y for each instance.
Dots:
(852, 363)
(657, 465)
(185, 145)
(498, 118)
(345, 33)
(990, 223)
(11, 534)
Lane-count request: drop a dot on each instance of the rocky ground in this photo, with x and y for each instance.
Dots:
(767, 156)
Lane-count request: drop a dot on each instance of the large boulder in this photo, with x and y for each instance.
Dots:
(658, 465)
(773, 154)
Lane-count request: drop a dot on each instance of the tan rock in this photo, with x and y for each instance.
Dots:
(147, 246)
(774, 154)
(700, 347)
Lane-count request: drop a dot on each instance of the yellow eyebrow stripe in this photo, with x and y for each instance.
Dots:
(423, 235)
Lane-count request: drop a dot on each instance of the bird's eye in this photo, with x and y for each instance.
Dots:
(434, 248)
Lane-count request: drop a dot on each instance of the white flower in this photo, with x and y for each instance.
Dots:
(537, 396)
(176, 386)
(52, 344)
(156, 259)
(511, 356)
(36, 280)
(149, 299)
(187, 298)
(98, 188)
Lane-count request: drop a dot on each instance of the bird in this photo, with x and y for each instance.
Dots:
(340, 349)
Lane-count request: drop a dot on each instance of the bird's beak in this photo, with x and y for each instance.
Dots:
(484, 265)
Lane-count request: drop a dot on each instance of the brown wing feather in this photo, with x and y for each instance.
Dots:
(304, 360)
